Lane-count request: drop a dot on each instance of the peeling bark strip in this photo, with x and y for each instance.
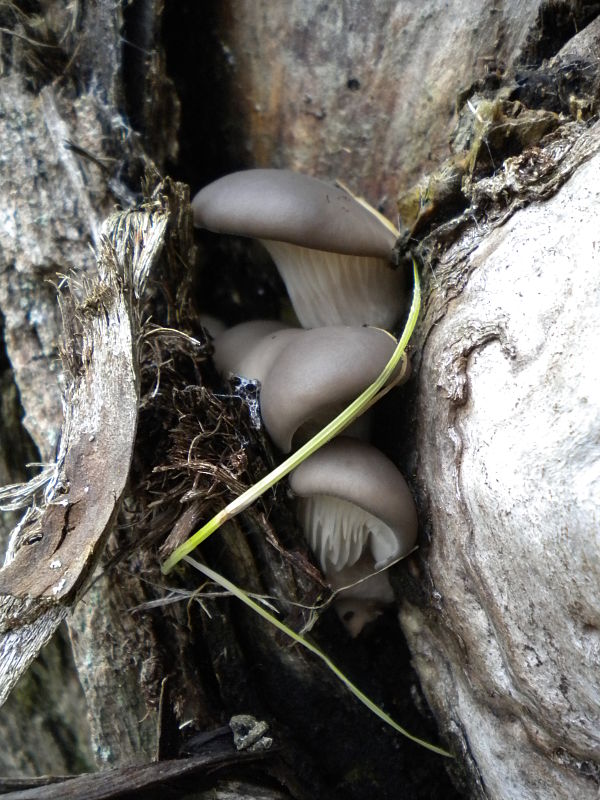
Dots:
(54, 550)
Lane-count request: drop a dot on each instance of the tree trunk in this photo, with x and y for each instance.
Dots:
(482, 122)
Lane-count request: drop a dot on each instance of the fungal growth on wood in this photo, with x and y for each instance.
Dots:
(359, 517)
(333, 252)
(306, 377)
(356, 509)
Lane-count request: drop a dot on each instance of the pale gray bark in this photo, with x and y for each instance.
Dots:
(47, 197)
(508, 457)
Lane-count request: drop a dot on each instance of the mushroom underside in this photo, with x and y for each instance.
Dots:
(362, 593)
(336, 289)
(339, 532)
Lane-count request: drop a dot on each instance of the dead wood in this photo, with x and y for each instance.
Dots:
(456, 109)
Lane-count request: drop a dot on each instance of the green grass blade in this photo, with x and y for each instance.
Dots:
(241, 595)
(336, 426)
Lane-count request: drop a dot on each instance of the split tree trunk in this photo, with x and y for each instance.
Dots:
(498, 427)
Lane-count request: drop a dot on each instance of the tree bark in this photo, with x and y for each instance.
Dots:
(507, 463)
(496, 429)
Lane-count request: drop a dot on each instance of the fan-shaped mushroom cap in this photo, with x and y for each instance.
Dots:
(317, 374)
(354, 497)
(333, 253)
(289, 207)
(249, 349)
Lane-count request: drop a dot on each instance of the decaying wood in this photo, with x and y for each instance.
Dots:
(54, 551)
(59, 160)
(151, 781)
(508, 409)
(368, 93)
(498, 606)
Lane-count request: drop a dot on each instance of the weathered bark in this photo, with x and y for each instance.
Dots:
(368, 92)
(334, 90)
(508, 456)
(46, 229)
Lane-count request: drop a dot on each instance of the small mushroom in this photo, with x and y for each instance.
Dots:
(368, 594)
(354, 497)
(358, 516)
(249, 349)
(307, 376)
(333, 253)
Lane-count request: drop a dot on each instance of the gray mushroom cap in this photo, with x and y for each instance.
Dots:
(357, 474)
(249, 349)
(317, 375)
(294, 208)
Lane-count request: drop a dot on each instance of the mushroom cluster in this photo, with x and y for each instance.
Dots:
(335, 256)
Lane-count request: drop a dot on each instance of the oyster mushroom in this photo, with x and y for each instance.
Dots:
(333, 253)
(307, 376)
(368, 594)
(317, 375)
(358, 516)
(249, 349)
